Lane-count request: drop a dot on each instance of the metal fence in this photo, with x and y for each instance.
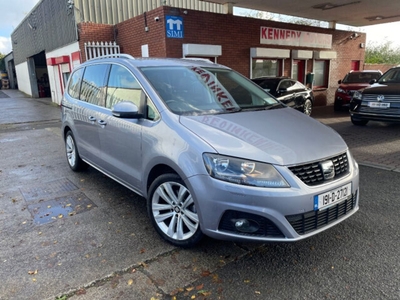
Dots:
(96, 49)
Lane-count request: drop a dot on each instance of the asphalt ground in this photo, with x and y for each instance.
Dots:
(67, 235)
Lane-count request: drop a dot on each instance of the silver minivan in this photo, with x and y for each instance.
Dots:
(211, 151)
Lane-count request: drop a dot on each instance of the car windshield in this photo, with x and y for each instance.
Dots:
(361, 77)
(391, 76)
(196, 91)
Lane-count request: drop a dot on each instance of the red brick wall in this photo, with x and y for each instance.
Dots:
(93, 32)
(382, 67)
(347, 50)
(235, 34)
(132, 34)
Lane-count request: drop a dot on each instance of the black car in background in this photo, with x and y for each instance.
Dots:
(378, 102)
(289, 91)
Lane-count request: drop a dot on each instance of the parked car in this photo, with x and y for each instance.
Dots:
(211, 151)
(288, 91)
(353, 81)
(378, 102)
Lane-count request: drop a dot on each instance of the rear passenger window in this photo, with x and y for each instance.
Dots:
(286, 84)
(75, 84)
(93, 84)
(122, 86)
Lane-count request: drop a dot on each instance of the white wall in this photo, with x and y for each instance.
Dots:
(55, 76)
(23, 78)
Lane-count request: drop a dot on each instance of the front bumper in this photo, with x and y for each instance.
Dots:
(342, 100)
(281, 214)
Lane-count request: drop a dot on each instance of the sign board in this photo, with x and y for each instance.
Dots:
(289, 37)
(174, 27)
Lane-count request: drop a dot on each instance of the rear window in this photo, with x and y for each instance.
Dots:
(361, 77)
(75, 83)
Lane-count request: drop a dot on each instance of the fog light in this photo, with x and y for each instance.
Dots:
(245, 225)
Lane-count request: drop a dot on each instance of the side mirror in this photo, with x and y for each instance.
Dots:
(282, 90)
(126, 109)
(340, 81)
(372, 81)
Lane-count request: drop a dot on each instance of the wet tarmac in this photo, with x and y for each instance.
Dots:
(79, 236)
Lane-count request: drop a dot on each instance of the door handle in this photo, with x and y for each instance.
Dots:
(92, 119)
(102, 123)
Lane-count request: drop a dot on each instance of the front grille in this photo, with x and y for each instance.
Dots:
(313, 220)
(311, 174)
(388, 98)
(394, 110)
(266, 227)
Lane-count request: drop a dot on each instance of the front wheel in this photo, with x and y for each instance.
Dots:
(359, 122)
(337, 106)
(172, 211)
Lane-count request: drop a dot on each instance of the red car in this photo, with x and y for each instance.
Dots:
(353, 81)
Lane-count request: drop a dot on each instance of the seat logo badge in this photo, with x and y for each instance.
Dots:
(380, 98)
(328, 169)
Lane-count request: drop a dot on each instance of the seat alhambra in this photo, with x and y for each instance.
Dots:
(210, 151)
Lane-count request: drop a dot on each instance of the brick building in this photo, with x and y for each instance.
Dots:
(253, 47)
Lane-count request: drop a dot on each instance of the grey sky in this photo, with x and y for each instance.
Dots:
(13, 12)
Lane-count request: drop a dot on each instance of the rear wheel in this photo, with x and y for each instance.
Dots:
(74, 160)
(358, 121)
(172, 211)
(307, 108)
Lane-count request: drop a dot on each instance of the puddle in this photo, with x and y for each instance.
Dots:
(59, 208)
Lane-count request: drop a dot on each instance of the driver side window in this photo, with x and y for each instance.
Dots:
(122, 86)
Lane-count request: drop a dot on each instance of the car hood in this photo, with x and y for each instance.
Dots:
(279, 136)
(385, 89)
(353, 86)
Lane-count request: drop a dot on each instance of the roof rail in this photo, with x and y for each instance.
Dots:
(114, 55)
(199, 59)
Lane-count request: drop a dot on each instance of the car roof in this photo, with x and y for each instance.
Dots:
(272, 78)
(367, 71)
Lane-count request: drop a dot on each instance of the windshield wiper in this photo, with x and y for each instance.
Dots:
(275, 105)
(263, 107)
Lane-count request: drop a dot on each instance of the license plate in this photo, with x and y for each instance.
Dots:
(379, 104)
(332, 197)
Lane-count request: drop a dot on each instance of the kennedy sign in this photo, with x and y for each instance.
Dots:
(288, 37)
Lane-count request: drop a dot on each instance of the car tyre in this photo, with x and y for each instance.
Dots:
(307, 107)
(358, 122)
(74, 160)
(337, 106)
(172, 211)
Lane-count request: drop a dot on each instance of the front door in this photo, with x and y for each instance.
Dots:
(298, 67)
(121, 139)
(355, 65)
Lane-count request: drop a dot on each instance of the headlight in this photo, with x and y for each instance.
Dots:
(242, 171)
(339, 90)
(357, 95)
